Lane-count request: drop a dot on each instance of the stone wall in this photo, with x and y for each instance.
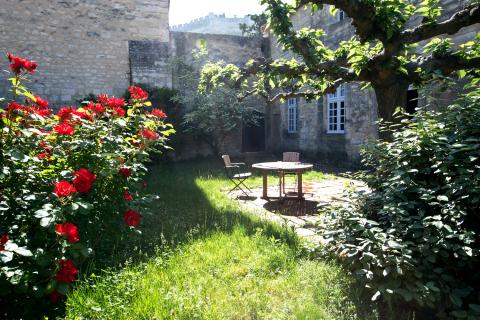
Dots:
(81, 46)
(231, 49)
(312, 139)
(149, 62)
(214, 24)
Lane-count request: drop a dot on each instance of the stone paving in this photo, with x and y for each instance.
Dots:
(301, 215)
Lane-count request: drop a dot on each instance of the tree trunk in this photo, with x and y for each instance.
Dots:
(388, 99)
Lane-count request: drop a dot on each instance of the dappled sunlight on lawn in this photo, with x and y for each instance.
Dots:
(206, 257)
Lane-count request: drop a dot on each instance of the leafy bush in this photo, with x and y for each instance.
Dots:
(415, 237)
(67, 180)
(165, 98)
(162, 97)
(212, 116)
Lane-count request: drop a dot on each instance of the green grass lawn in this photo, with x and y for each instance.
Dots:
(201, 256)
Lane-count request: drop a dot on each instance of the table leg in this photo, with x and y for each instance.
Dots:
(299, 178)
(280, 184)
(265, 186)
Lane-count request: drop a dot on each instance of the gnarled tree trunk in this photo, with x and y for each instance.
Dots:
(389, 97)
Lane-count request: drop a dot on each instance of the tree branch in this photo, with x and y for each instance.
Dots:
(464, 18)
(426, 67)
(361, 12)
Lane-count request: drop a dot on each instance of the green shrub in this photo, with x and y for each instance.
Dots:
(414, 238)
(164, 98)
(68, 181)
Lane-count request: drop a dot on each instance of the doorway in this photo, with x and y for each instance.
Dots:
(412, 101)
(253, 137)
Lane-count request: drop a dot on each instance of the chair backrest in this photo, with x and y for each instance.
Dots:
(226, 160)
(291, 157)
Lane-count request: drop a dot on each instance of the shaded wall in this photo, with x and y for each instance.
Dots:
(81, 46)
(231, 49)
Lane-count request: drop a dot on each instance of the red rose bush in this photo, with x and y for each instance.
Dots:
(66, 177)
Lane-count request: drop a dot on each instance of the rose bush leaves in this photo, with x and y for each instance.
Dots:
(64, 179)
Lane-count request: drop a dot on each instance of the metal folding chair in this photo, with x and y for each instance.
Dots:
(290, 157)
(237, 175)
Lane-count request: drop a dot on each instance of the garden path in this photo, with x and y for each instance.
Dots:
(302, 216)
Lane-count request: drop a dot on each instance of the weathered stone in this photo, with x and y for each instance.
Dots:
(312, 138)
(214, 24)
(78, 43)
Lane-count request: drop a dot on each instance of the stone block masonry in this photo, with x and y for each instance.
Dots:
(149, 62)
(312, 138)
(215, 24)
(230, 49)
(81, 46)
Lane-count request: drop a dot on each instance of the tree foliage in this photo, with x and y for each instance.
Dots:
(415, 237)
(256, 29)
(209, 116)
(383, 53)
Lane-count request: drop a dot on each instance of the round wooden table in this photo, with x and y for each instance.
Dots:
(280, 167)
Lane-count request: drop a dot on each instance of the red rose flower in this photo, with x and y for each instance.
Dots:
(125, 172)
(148, 134)
(67, 271)
(118, 112)
(95, 107)
(115, 102)
(17, 64)
(65, 113)
(83, 180)
(158, 113)
(99, 108)
(138, 94)
(42, 155)
(15, 106)
(103, 98)
(41, 102)
(64, 129)
(69, 231)
(3, 240)
(132, 218)
(81, 114)
(64, 189)
(55, 296)
(42, 112)
(127, 196)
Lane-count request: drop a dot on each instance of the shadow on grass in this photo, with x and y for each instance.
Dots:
(191, 205)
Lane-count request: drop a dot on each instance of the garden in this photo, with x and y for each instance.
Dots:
(97, 222)
(83, 237)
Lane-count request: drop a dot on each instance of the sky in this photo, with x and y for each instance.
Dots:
(182, 11)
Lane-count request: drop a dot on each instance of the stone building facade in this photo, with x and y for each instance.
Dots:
(214, 24)
(311, 135)
(333, 129)
(103, 46)
(83, 46)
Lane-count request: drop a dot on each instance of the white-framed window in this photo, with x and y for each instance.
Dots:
(292, 115)
(336, 111)
(340, 15)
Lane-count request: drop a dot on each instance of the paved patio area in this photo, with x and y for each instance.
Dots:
(301, 215)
